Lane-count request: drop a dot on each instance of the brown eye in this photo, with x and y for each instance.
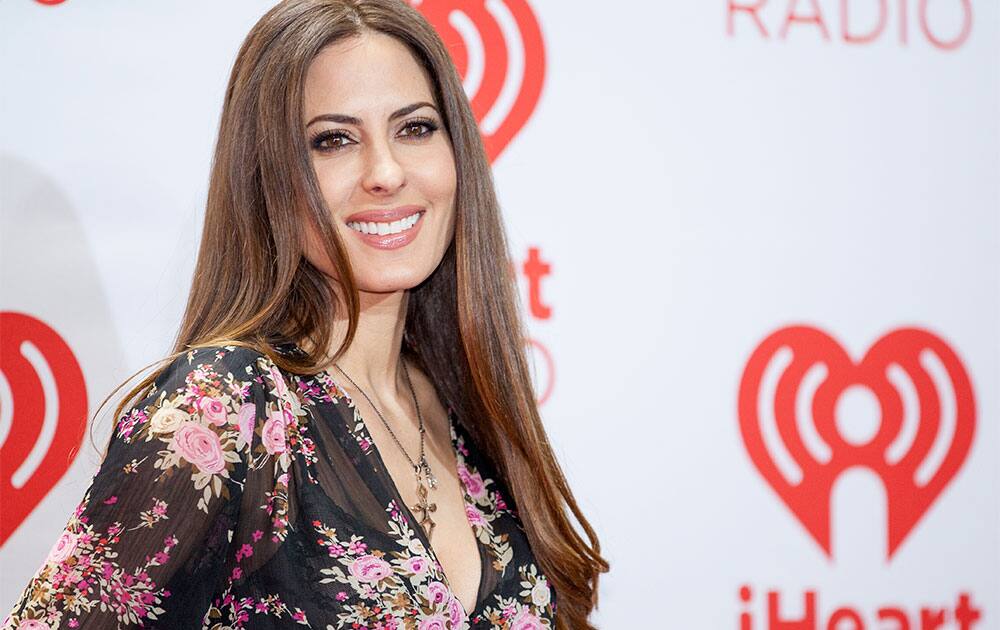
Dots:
(427, 124)
(319, 140)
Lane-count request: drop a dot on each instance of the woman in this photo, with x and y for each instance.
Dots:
(346, 434)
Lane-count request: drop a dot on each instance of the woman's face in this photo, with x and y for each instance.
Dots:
(383, 160)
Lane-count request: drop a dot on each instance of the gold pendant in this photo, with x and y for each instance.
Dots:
(425, 508)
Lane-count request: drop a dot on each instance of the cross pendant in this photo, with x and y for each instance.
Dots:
(425, 508)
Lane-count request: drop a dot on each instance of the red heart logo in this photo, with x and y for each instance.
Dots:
(46, 415)
(498, 50)
(926, 423)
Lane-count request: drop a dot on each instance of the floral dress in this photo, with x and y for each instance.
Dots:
(236, 495)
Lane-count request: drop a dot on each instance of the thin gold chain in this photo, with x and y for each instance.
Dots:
(420, 418)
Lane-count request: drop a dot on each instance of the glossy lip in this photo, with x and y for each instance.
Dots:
(389, 241)
(387, 215)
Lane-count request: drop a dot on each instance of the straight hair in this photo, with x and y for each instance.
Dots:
(253, 286)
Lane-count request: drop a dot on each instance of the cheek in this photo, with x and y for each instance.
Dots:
(448, 177)
(335, 185)
(314, 252)
(438, 182)
(335, 189)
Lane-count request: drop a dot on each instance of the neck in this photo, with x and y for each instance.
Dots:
(373, 357)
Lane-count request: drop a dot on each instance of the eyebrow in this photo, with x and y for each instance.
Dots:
(351, 120)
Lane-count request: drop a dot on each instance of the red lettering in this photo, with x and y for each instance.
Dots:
(903, 33)
(808, 621)
(895, 614)
(816, 18)
(534, 270)
(963, 34)
(965, 613)
(888, 617)
(850, 38)
(746, 621)
(759, 12)
(845, 613)
(931, 619)
(752, 10)
(546, 377)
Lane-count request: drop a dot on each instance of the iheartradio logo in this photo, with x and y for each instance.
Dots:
(945, 25)
(808, 412)
(43, 414)
(498, 50)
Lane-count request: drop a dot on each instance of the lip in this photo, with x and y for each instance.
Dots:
(388, 241)
(387, 215)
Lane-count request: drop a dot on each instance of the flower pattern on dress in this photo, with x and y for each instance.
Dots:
(356, 425)
(483, 506)
(82, 574)
(531, 610)
(235, 495)
(400, 587)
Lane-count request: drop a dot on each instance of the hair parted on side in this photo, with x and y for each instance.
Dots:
(463, 324)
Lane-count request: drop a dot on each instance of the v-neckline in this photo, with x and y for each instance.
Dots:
(411, 518)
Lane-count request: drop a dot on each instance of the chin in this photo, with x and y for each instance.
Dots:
(393, 283)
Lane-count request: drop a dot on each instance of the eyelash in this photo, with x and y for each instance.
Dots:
(319, 138)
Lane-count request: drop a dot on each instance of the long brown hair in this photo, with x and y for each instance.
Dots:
(253, 286)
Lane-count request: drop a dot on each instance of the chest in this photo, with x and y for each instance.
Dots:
(441, 511)
(357, 484)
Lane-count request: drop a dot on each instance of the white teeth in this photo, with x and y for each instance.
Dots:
(371, 227)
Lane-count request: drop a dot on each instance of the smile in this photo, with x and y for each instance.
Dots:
(382, 228)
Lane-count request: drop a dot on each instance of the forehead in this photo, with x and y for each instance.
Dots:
(366, 75)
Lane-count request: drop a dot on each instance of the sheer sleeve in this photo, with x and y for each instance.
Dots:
(152, 539)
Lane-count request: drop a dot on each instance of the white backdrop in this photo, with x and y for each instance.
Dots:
(697, 176)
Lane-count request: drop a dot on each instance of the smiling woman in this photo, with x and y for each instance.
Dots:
(379, 165)
(351, 228)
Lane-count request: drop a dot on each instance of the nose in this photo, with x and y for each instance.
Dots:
(383, 173)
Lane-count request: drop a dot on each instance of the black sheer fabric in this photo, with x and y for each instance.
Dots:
(236, 495)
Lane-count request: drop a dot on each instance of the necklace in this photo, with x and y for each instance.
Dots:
(421, 468)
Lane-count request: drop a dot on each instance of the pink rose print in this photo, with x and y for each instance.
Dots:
(416, 565)
(279, 383)
(369, 568)
(456, 612)
(273, 433)
(434, 622)
(526, 620)
(213, 410)
(474, 515)
(33, 624)
(246, 417)
(63, 548)
(437, 593)
(473, 483)
(200, 446)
